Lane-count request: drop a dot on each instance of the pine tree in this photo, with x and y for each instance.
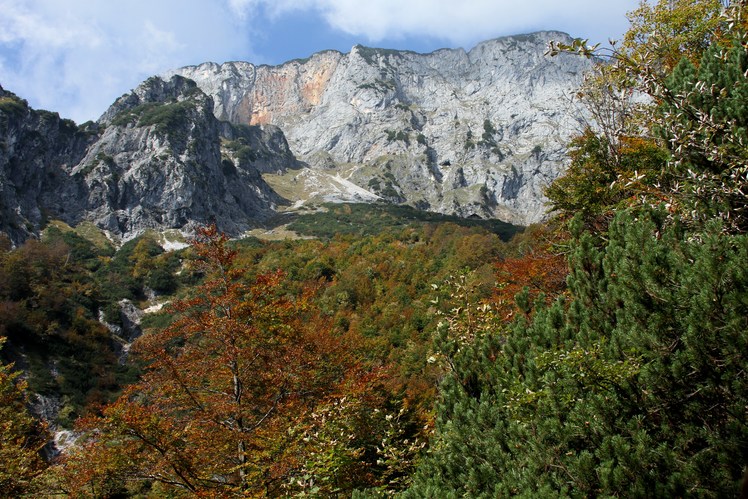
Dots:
(704, 120)
(636, 387)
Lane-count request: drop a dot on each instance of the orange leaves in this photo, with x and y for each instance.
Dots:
(240, 363)
(211, 248)
(541, 270)
(605, 176)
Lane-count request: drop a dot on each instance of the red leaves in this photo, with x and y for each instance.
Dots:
(541, 270)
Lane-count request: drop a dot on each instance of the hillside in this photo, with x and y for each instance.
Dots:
(374, 348)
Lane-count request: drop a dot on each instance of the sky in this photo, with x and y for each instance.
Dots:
(76, 57)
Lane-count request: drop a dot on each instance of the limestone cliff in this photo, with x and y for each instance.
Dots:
(158, 158)
(477, 133)
(472, 133)
(165, 161)
(37, 148)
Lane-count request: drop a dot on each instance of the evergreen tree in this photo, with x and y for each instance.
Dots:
(689, 57)
(704, 120)
(636, 387)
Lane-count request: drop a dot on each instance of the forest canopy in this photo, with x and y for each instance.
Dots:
(602, 353)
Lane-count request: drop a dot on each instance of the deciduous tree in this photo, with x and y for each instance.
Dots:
(21, 436)
(688, 58)
(224, 383)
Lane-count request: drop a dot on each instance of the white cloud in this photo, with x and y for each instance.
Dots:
(21, 22)
(463, 22)
(77, 56)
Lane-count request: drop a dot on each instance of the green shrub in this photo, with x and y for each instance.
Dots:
(13, 105)
(168, 118)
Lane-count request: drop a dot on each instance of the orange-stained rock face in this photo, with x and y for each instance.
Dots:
(291, 89)
(469, 133)
(315, 83)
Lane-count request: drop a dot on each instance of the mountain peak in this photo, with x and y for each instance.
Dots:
(478, 133)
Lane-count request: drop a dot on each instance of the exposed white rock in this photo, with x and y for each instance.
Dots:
(427, 128)
(45, 407)
(155, 308)
(479, 132)
(64, 440)
(174, 245)
(123, 334)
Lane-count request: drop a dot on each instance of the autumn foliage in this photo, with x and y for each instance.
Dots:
(537, 270)
(21, 436)
(226, 383)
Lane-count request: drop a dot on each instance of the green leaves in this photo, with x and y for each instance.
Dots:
(21, 436)
(690, 61)
(631, 388)
(704, 119)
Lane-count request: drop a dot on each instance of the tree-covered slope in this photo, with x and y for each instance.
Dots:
(633, 382)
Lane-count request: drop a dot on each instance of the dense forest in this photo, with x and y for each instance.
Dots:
(388, 352)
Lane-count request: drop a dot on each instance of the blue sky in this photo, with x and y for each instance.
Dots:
(76, 56)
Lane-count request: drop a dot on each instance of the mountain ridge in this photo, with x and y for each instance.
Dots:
(470, 133)
(371, 107)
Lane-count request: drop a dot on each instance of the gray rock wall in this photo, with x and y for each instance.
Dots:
(479, 132)
(158, 158)
(468, 133)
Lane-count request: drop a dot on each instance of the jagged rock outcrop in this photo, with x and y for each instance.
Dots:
(472, 133)
(165, 161)
(37, 148)
(158, 158)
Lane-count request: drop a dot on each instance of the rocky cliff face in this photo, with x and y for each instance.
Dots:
(163, 160)
(472, 133)
(158, 158)
(37, 148)
(477, 133)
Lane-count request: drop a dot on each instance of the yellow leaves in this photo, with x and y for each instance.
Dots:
(239, 365)
(21, 437)
(669, 30)
(604, 177)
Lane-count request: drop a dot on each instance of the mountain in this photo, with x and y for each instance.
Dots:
(37, 148)
(476, 133)
(158, 159)
(468, 133)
